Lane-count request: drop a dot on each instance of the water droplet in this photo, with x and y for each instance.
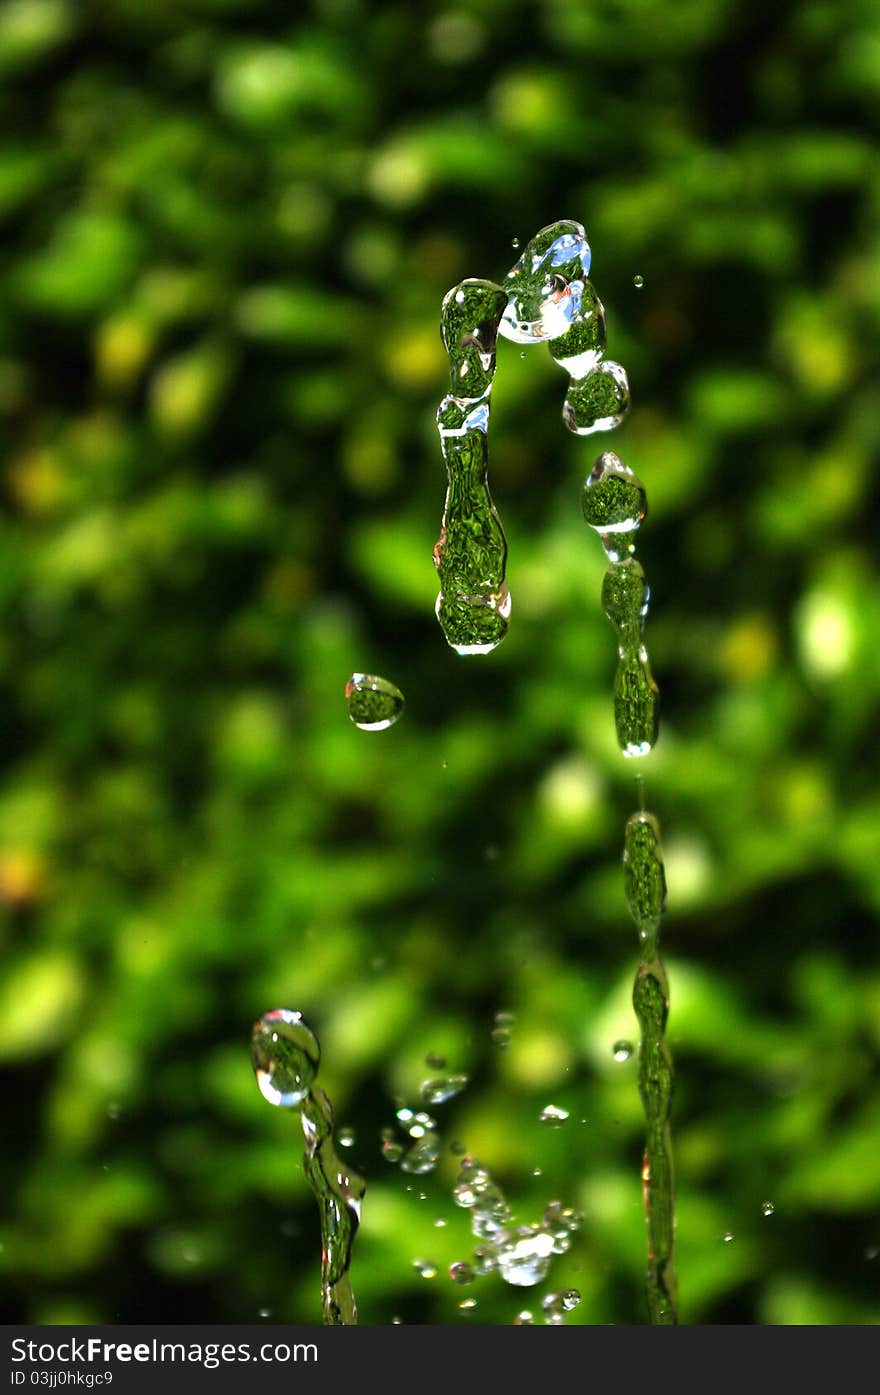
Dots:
(346, 1137)
(285, 1055)
(644, 875)
(440, 1223)
(524, 1256)
(597, 402)
(515, 243)
(546, 286)
(638, 282)
(537, 1172)
(614, 504)
(524, 1319)
(264, 1312)
(441, 1090)
(622, 1050)
(374, 703)
(727, 1237)
(553, 1116)
(392, 1149)
(468, 1304)
(397, 1322)
(425, 1268)
(767, 1208)
(423, 1156)
(461, 1273)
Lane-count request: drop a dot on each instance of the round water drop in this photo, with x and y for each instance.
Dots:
(285, 1055)
(727, 1236)
(374, 704)
(392, 1149)
(570, 1299)
(346, 1137)
(461, 1272)
(638, 282)
(264, 1312)
(767, 1208)
(553, 1116)
(443, 1089)
(622, 1050)
(425, 1268)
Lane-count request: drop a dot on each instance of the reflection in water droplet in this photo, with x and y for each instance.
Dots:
(546, 287)
(622, 1050)
(553, 1116)
(470, 555)
(423, 1156)
(638, 282)
(286, 1055)
(461, 1273)
(614, 504)
(598, 402)
(441, 1090)
(524, 1256)
(374, 703)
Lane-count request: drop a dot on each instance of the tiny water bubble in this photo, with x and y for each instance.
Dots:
(553, 1116)
(374, 703)
(622, 1050)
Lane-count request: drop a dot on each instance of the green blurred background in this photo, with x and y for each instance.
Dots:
(227, 228)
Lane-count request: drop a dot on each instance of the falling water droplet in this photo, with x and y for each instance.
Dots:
(423, 1156)
(374, 704)
(625, 600)
(425, 1268)
(546, 287)
(622, 1050)
(346, 1137)
(461, 1272)
(644, 876)
(727, 1237)
(638, 282)
(767, 1208)
(597, 402)
(553, 1116)
(286, 1056)
(467, 1305)
(440, 1090)
(524, 1319)
(514, 242)
(524, 1256)
(614, 504)
(264, 1312)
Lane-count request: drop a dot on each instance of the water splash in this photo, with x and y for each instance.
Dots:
(473, 605)
(374, 703)
(286, 1056)
(645, 887)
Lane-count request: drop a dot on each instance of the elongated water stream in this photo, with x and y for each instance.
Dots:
(286, 1056)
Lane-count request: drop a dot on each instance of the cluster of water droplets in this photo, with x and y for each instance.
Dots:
(286, 1055)
(520, 1254)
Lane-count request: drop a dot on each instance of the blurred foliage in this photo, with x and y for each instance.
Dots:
(227, 229)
